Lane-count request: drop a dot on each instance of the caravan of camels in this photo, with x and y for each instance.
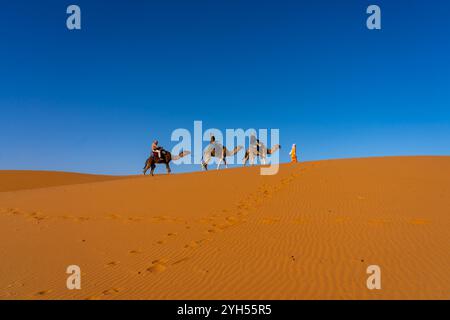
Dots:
(214, 150)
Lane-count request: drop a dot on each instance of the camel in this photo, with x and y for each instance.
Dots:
(252, 153)
(166, 157)
(217, 150)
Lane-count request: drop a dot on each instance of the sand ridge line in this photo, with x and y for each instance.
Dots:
(16, 181)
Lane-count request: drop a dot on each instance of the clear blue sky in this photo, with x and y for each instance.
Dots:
(93, 100)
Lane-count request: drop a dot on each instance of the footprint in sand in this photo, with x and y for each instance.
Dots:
(12, 211)
(170, 235)
(112, 264)
(37, 216)
(164, 219)
(158, 266)
(419, 221)
(114, 216)
(132, 219)
(43, 293)
(134, 251)
(270, 220)
(110, 291)
(194, 244)
(232, 219)
(243, 206)
(300, 221)
(191, 245)
(266, 193)
(213, 230)
(224, 226)
(241, 214)
(181, 260)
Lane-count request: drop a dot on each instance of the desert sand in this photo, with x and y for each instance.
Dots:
(309, 232)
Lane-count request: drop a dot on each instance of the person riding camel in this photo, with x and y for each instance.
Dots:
(156, 149)
(212, 144)
(255, 143)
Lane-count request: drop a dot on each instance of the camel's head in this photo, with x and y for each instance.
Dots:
(184, 154)
(234, 151)
(274, 149)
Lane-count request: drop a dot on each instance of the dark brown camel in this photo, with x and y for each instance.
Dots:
(166, 157)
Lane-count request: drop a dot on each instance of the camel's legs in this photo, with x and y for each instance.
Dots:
(252, 159)
(263, 160)
(153, 166)
(145, 167)
(225, 161)
(205, 163)
(220, 162)
(168, 168)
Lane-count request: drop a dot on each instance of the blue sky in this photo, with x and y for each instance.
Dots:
(93, 100)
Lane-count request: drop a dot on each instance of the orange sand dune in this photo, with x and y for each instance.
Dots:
(309, 232)
(19, 180)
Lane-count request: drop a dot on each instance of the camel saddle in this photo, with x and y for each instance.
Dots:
(157, 158)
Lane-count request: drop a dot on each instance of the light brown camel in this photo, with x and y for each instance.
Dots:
(217, 150)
